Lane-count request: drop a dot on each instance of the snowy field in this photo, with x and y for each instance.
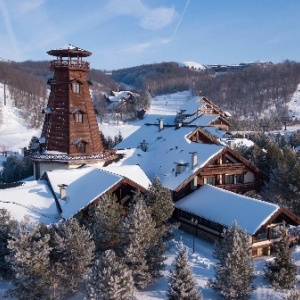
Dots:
(14, 135)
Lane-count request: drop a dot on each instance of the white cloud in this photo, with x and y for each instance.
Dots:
(11, 42)
(25, 7)
(148, 18)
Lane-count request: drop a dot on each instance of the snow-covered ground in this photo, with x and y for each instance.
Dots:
(14, 134)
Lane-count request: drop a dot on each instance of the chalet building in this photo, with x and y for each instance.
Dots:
(185, 159)
(209, 210)
(202, 112)
(70, 135)
(62, 194)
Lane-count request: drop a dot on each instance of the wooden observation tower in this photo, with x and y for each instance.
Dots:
(70, 135)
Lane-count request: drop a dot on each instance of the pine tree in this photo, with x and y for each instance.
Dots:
(282, 271)
(103, 222)
(29, 258)
(160, 201)
(110, 279)
(292, 295)
(182, 285)
(138, 230)
(7, 227)
(155, 256)
(234, 271)
(74, 253)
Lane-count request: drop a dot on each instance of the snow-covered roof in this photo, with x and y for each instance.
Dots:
(164, 149)
(224, 207)
(32, 200)
(84, 185)
(192, 105)
(120, 95)
(134, 173)
(204, 120)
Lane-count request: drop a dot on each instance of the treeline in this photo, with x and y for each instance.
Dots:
(166, 77)
(278, 159)
(27, 91)
(245, 93)
(254, 90)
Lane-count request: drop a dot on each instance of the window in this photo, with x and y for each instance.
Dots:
(210, 180)
(81, 147)
(79, 118)
(229, 179)
(239, 178)
(76, 87)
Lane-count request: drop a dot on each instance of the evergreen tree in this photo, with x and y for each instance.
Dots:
(182, 285)
(292, 295)
(282, 271)
(103, 222)
(15, 169)
(234, 271)
(29, 258)
(110, 279)
(138, 230)
(74, 253)
(7, 227)
(160, 201)
(155, 256)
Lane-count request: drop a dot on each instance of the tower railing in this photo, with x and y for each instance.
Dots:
(70, 64)
(36, 155)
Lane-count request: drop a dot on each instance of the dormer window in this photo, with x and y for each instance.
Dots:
(76, 87)
(52, 83)
(78, 115)
(75, 84)
(47, 112)
(80, 145)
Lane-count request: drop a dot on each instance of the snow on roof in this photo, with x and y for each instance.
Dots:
(224, 207)
(164, 149)
(33, 200)
(204, 120)
(84, 185)
(192, 105)
(134, 173)
(120, 95)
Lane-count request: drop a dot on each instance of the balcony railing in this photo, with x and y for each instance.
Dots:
(35, 155)
(222, 169)
(70, 64)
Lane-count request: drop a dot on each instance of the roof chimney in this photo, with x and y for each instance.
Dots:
(194, 159)
(160, 124)
(63, 191)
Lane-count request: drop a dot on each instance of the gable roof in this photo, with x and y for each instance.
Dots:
(33, 200)
(224, 207)
(164, 149)
(40, 200)
(84, 185)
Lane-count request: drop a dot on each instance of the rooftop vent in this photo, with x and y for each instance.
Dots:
(63, 191)
(160, 124)
(181, 166)
(144, 146)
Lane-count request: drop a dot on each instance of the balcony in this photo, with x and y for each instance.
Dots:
(223, 169)
(66, 63)
(106, 155)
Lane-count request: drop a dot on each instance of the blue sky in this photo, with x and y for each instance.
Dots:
(126, 33)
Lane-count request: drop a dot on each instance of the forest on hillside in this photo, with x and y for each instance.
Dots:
(254, 95)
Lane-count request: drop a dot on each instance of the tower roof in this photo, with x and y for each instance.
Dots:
(69, 51)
